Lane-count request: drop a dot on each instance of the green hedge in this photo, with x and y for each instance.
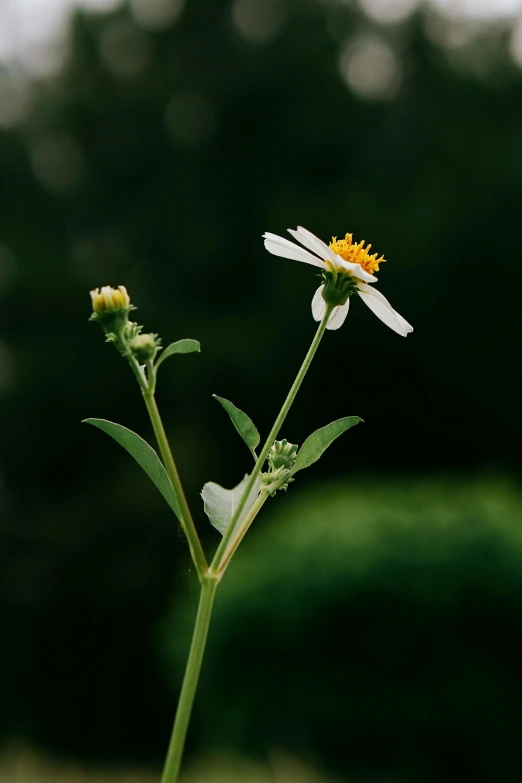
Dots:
(374, 629)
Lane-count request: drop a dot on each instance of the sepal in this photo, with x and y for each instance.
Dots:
(338, 287)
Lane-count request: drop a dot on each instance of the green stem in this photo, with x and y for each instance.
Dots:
(241, 532)
(190, 681)
(189, 528)
(216, 564)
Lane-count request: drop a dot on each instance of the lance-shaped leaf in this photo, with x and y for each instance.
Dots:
(220, 503)
(181, 346)
(144, 455)
(243, 424)
(318, 442)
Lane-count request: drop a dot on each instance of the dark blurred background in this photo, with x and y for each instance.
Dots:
(372, 624)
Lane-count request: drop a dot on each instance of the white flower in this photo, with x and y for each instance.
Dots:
(347, 266)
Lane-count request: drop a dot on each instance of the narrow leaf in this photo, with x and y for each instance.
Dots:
(243, 423)
(220, 503)
(318, 442)
(181, 346)
(144, 455)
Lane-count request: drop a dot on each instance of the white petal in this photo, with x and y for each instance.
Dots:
(338, 316)
(318, 304)
(404, 323)
(280, 246)
(355, 270)
(379, 305)
(312, 242)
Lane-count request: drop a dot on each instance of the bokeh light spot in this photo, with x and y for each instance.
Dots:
(156, 14)
(125, 49)
(478, 9)
(370, 68)
(389, 11)
(259, 21)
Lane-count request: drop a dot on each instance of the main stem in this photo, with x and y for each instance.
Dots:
(210, 577)
(190, 681)
(189, 528)
(217, 562)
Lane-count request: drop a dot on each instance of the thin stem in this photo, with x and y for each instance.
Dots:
(189, 528)
(240, 534)
(190, 681)
(215, 566)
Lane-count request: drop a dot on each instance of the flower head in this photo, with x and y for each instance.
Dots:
(109, 300)
(356, 253)
(348, 270)
(111, 308)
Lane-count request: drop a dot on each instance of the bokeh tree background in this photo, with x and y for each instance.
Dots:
(372, 624)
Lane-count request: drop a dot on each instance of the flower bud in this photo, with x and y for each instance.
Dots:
(111, 307)
(109, 300)
(281, 460)
(144, 347)
(282, 455)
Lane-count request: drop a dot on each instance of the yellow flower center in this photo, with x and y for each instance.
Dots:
(356, 253)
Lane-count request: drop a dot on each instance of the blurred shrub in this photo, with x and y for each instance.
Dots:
(23, 766)
(20, 765)
(280, 770)
(375, 628)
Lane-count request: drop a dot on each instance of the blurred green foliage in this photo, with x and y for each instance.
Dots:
(20, 765)
(156, 159)
(375, 628)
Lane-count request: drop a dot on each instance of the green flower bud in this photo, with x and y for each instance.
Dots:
(281, 460)
(282, 455)
(144, 347)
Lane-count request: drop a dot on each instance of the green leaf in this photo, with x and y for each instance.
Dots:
(318, 442)
(181, 346)
(144, 455)
(220, 503)
(243, 424)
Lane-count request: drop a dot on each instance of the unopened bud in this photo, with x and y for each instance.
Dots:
(111, 307)
(281, 460)
(109, 300)
(282, 455)
(144, 347)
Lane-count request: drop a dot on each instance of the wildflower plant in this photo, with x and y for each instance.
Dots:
(347, 270)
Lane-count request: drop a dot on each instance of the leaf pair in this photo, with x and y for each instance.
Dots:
(220, 503)
(313, 447)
